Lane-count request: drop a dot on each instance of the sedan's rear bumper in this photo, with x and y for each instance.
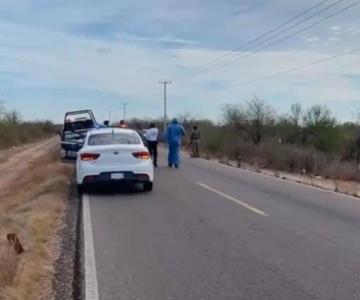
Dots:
(92, 172)
(106, 177)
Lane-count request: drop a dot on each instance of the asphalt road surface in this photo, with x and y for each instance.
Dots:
(209, 231)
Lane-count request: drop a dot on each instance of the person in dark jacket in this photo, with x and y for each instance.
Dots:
(195, 142)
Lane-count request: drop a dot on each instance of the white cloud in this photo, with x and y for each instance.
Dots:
(336, 28)
(161, 39)
(320, 83)
(130, 66)
(169, 39)
(351, 29)
(333, 39)
(60, 60)
(311, 39)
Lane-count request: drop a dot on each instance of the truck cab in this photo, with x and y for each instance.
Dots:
(76, 126)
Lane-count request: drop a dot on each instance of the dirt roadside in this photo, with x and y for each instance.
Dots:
(350, 188)
(34, 191)
(17, 164)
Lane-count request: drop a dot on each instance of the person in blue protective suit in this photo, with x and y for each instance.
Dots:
(174, 133)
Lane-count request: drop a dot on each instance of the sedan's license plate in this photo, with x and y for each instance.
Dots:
(117, 176)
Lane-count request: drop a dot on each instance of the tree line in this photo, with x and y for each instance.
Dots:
(307, 140)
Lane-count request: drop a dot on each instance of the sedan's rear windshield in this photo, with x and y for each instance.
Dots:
(102, 139)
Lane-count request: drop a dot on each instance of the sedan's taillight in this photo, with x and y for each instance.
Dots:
(89, 156)
(142, 155)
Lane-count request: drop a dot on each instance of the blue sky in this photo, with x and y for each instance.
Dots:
(59, 55)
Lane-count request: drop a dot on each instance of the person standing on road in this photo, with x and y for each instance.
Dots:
(151, 136)
(122, 124)
(194, 142)
(174, 133)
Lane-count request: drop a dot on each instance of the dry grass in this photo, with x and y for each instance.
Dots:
(15, 132)
(296, 159)
(32, 208)
(6, 154)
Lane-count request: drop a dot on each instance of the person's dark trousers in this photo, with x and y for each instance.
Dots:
(195, 148)
(153, 145)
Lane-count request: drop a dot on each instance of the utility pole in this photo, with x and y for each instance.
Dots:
(165, 83)
(124, 110)
(110, 117)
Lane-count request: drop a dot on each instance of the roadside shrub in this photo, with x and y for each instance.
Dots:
(243, 149)
(304, 140)
(8, 135)
(341, 170)
(212, 141)
(13, 132)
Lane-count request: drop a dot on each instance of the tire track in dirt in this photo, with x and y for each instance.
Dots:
(13, 170)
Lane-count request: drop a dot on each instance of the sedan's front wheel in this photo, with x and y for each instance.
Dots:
(148, 186)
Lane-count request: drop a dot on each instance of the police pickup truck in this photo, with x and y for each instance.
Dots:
(76, 126)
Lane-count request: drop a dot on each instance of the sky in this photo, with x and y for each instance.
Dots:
(62, 55)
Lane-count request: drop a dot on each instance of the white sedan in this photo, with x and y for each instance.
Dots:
(114, 155)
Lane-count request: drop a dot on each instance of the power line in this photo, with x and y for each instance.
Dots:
(279, 33)
(285, 38)
(294, 69)
(258, 38)
(245, 55)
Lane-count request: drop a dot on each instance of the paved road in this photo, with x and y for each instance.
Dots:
(208, 231)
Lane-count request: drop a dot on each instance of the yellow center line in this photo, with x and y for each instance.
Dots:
(237, 201)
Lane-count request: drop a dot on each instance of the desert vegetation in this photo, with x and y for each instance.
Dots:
(304, 140)
(31, 208)
(14, 131)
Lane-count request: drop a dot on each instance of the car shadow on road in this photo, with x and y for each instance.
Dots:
(116, 189)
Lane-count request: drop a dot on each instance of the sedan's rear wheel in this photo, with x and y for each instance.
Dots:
(148, 186)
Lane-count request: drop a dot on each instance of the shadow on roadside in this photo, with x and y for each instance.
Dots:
(68, 161)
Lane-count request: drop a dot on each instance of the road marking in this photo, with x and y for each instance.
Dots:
(91, 284)
(237, 201)
(286, 181)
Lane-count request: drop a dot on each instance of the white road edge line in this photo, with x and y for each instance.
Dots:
(237, 201)
(91, 284)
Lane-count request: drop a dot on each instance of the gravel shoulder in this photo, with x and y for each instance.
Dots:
(34, 200)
